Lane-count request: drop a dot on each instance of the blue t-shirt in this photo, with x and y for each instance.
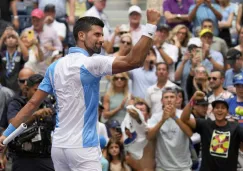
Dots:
(104, 163)
(232, 102)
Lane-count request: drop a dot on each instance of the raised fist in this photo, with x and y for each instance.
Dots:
(198, 95)
(153, 16)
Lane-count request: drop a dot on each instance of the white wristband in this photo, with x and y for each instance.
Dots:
(150, 30)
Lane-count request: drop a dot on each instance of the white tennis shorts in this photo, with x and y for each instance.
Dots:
(76, 159)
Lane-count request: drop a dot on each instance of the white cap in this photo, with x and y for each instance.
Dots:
(124, 28)
(195, 41)
(134, 8)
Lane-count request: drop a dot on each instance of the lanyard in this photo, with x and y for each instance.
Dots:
(10, 63)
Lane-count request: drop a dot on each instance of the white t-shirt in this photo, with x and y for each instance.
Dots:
(172, 147)
(60, 28)
(154, 94)
(74, 80)
(103, 131)
(173, 52)
(32, 62)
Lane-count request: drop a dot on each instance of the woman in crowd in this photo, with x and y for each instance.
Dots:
(226, 23)
(35, 52)
(116, 98)
(197, 81)
(179, 37)
(125, 45)
(180, 102)
(116, 156)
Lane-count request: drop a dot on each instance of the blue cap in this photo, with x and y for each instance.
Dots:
(102, 142)
(221, 100)
(238, 79)
(113, 124)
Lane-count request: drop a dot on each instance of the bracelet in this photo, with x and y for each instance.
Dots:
(16, 17)
(9, 130)
(150, 30)
(192, 102)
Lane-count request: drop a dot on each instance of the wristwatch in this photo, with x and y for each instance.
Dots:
(178, 16)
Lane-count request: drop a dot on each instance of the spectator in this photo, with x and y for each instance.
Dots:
(154, 92)
(116, 156)
(179, 37)
(213, 133)
(144, 77)
(102, 128)
(198, 81)
(226, 23)
(171, 134)
(240, 46)
(104, 161)
(239, 19)
(165, 52)
(218, 44)
(180, 103)
(235, 59)
(60, 28)
(176, 12)
(12, 59)
(35, 52)
(114, 130)
(205, 9)
(89, 4)
(116, 98)
(216, 80)
(48, 38)
(125, 45)
(61, 9)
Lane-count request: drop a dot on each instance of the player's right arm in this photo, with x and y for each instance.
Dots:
(139, 52)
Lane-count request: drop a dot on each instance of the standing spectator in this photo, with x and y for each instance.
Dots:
(61, 9)
(176, 12)
(12, 59)
(116, 98)
(218, 44)
(205, 9)
(179, 37)
(226, 23)
(235, 59)
(180, 103)
(154, 93)
(48, 38)
(165, 52)
(60, 28)
(239, 19)
(172, 146)
(144, 77)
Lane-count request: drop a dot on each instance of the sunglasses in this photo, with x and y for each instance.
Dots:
(120, 78)
(213, 78)
(123, 32)
(125, 42)
(22, 81)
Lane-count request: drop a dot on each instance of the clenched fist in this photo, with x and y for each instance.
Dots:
(153, 16)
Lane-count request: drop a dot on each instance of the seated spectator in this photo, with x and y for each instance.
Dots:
(12, 59)
(202, 10)
(165, 52)
(179, 37)
(198, 81)
(116, 156)
(218, 44)
(176, 12)
(226, 23)
(235, 59)
(154, 93)
(144, 77)
(48, 38)
(35, 52)
(60, 28)
(116, 98)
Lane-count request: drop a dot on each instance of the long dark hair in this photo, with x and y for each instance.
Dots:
(121, 154)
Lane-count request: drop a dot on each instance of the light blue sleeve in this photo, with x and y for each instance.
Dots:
(46, 85)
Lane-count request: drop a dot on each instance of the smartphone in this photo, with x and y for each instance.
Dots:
(118, 129)
(31, 35)
(199, 53)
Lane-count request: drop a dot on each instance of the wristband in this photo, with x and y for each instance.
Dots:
(16, 17)
(9, 130)
(175, 118)
(150, 30)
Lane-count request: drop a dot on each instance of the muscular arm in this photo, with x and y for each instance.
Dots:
(185, 117)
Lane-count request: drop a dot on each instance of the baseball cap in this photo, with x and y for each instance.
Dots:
(204, 31)
(201, 102)
(163, 27)
(124, 28)
(238, 79)
(102, 142)
(233, 54)
(49, 8)
(220, 101)
(134, 8)
(195, 41)
(37, 13)
(113, 124)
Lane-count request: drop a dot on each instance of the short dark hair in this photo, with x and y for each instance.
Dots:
(162, 63)
(206, 20)
(84, 24)
(222, 74)
(34, 79)
(50, 8)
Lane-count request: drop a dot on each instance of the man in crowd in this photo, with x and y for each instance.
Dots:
(172, 146)
(75, 137)
(154, 92)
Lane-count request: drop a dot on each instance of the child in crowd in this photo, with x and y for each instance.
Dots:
(116, 156)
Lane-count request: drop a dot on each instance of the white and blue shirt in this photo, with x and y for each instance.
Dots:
(74, 80)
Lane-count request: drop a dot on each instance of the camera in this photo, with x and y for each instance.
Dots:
(118, 129)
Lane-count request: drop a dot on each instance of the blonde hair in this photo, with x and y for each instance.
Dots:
(205, 85)
(126, 35)
(175, 30)
(111, 91)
